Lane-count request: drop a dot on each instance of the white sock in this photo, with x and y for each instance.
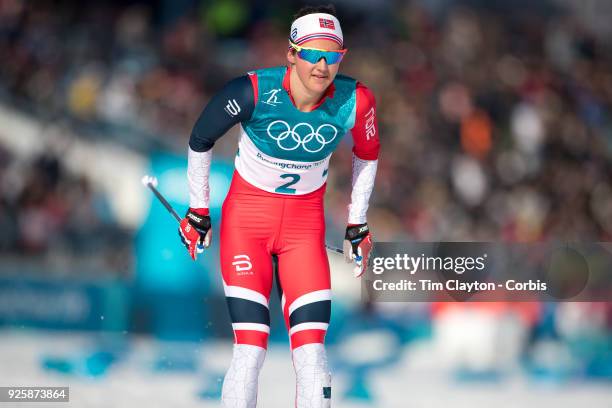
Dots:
(240, 382)
(313, 376)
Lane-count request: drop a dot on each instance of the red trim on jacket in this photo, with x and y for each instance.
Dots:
(253, 78)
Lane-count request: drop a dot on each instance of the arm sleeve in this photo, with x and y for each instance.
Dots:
(365, 154)
(233, 104)
(365, 131)
(198, 171)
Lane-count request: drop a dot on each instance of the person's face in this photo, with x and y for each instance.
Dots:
(315, 77)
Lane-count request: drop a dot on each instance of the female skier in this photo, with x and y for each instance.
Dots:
(292, 119)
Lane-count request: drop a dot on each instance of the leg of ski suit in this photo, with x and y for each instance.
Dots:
(256, 225)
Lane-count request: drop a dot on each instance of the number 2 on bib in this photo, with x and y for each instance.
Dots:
(285, 187)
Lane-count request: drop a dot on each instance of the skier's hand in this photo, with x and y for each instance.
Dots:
(195, 231)
(357, 247)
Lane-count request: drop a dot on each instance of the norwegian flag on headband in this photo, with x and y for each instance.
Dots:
(325, 23)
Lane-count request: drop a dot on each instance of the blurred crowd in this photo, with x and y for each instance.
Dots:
(496, 123)
(50, 215)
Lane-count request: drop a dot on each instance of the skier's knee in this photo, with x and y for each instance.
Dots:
(240, 383)
(313, 376)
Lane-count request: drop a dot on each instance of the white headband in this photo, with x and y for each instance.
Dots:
(316, 26)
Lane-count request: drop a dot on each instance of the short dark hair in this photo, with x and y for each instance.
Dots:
(304, 11)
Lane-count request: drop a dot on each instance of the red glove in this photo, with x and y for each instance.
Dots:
(357, 247)
(195, 231)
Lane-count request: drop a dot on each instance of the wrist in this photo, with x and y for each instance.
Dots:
(200, 211)
(198, 220)
(356, 231)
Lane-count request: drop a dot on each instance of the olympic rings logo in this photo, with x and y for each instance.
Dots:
(288, 138)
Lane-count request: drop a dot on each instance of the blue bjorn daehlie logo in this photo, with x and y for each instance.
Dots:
(273, 98)
(293, 33)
